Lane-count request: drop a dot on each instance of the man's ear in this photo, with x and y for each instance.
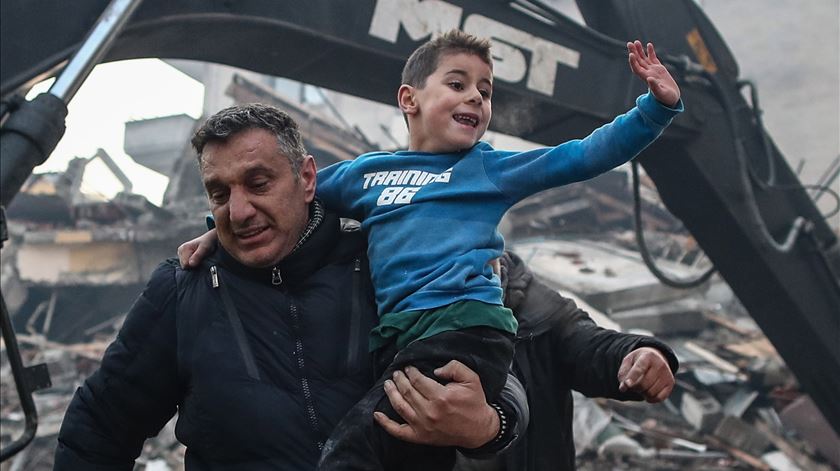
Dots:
(406, 99)
(308, 174)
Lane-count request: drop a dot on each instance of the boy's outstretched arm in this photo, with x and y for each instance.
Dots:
(647, 67)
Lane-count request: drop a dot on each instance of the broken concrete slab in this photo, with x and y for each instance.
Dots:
(701, 410)
(739, 434)
(606, 276)
(589, 421)
(614, 442)
(757, 348)
(792, 451)
(803, 416)
(739, 402)
(678, 317)
(714, 360)
(778, 461)
(708, 376)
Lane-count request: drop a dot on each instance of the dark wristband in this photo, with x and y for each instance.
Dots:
(504, 438)
(503, 423)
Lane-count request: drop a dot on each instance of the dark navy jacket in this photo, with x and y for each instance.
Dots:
(267, 405)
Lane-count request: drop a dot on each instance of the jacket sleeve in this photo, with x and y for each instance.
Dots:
(513, 402)
(591, 356)
(565, 340)
(133, 393)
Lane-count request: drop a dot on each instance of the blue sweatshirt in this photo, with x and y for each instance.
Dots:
(431, 219)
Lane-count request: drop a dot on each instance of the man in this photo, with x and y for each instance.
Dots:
(262, 349)
(559, 348)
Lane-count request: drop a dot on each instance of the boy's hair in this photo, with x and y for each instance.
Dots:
(424, 60)
(235, 119)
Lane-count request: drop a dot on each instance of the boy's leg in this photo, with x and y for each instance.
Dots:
(357, 443)
(485, 350)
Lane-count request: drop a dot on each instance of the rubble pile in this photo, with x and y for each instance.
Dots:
(69, 365)
(735, 406)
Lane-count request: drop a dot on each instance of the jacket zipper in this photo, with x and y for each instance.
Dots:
(304, 381)
(354, 336)
(214, 276)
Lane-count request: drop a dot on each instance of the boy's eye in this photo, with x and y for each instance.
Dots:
(456, 85)
(485, 93)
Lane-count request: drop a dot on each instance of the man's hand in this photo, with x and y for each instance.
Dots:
(646, 371)
(648, 68)
(455, 414)
(191, 253)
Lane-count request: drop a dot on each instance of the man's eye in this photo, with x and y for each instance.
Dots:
(456, 85)
(218, 197)
(259, 185)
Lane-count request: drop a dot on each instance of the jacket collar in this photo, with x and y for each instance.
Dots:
(312, 253)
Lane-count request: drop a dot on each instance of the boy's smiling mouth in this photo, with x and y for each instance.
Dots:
(468, 119)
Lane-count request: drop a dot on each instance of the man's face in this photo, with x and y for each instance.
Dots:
(452, 111)
(259, 206)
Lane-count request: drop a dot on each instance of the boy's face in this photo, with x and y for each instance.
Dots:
(452, 111)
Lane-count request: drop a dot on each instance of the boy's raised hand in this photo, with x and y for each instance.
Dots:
(647, 67)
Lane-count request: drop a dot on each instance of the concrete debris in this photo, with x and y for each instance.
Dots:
(778, 461)
(713, 359)
(702, 411)
(803, 416)
(709, 375)
(741, 435)
(609, 277)
(735, 399)
(589, 421)
(739, 402)
(683, 316)
(618, 444)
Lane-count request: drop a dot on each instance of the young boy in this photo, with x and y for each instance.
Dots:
(431, 216)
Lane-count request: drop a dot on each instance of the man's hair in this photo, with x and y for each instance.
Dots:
(235, 119)
(424, 60)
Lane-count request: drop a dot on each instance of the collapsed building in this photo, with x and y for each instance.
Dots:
(75, 263)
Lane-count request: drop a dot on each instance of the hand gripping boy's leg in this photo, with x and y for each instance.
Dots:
(440, 414)
(357, 443)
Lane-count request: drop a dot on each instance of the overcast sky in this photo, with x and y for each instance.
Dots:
(113, 94)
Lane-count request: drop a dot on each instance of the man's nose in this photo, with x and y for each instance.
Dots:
(240, 205)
